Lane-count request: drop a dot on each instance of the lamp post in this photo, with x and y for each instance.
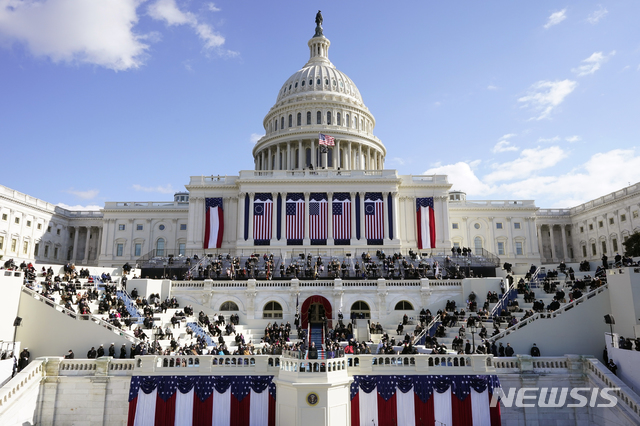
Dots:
(164, 269)
(473, 330)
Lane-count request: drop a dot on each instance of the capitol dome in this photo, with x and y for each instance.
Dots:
(319, 99)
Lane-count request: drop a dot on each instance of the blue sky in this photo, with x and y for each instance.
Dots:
(124, 100)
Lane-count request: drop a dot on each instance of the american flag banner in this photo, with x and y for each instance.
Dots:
(326, 140)
(318, 216)
(373, 217)
(426, 223)
(214, 226)
(424, 400)
(202, 400)
(262, 216)
(295, 216)
(341, 209)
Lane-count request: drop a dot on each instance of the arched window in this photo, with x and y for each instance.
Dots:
(338, 120)
(329, 117)
(282, 122)
(403, 305)
(229, 306)
(160, 247)
(307, 157)
(330, 157)
(346, 121)
(276, 125)
(297, 162)
(272, 310)
(477, 245)
(319, 118)
(361, 310)
(308, 118)
(290, 120)
(299, 120)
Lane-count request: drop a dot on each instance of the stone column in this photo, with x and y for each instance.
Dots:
(278, 159)
(86, 246)
(362, 227)
(251, 194)
(359, 165)
(99, 243)
(269, 159)
(539, 234)
(553, 243)
(564, 243)
(353, 216)
(337, 163)
(349, 163)
(300, 162)
(313, 153)
(306, 218)
(492, 233)
(262, 162)
(330, 218)
(74, 256)
(274, 217)
(283, 218)
(511, 250)
(527, 235)
(240, 224)
(289, 156)
(395, 210)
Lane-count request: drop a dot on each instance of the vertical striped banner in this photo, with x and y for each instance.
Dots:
(374, 216)
(341, 210)
(318, 212)
(262, 214)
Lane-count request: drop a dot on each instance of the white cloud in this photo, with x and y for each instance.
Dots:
(597, 15)
(213, 8)
(492, 87)
(462, 177)
(555, 18)
(76, 31)
(255, 137)
(168, 11)
(592, 63)
(85, 195)
(572, 139)
(167, 189)
(530, 161)
(79, 207)
(549, 140)
(504, 145)
(546, 95)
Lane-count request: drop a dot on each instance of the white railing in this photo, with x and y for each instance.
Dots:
(30, 376)
(562, 309)
(80, 317)
(623, 393)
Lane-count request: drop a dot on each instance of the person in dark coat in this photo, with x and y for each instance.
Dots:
(112, 350)
(123, 351)
(508, 351)
(535, 351)
(100, 351)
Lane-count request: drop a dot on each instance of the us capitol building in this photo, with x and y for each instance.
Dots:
(318, 191)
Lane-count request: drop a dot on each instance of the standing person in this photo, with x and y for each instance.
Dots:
(535, 351)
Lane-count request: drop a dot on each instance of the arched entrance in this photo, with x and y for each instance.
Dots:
(313, 308)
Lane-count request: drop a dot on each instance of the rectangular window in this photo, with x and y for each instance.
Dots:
(591, 227)
(138, 249)
(584, 251)
(182, 249)
(568, 233)
(4, 216)
(500, 248)
(593, 249)
(623, 218)
(600, 224)
(119, 249)
(48, 228)
(14, 244)
(1, 243)
(604, 247)
(456, 245)
(610, 221)
(121, 227)
(582, 229)
(183, 226)
(55, 253)
(499, 225)
(29, 223)
(614, 244)
(17, 220)
(454, 226)
(516, 225)
(57, 231)
(46, 251)
(139, 227)
(518, 248)
(36, 249)
(25, 247)
(39, 226)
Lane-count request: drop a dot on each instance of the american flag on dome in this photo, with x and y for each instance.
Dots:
(295, 216)
(341, 210)
(326, 140)
(262, 216)
(202, 400)
(373, 216)
(426, 223)
(318, 216)
(424, 400)
(214, 226)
